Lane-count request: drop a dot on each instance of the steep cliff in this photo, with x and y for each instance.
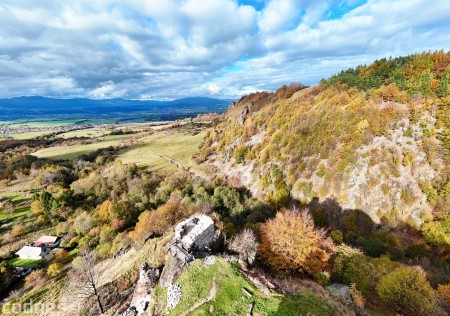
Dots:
(375, 138)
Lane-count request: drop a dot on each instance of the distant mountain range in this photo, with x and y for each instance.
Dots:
(36, 107)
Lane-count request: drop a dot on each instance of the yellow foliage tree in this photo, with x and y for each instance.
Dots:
(55, 269)
(291, 242)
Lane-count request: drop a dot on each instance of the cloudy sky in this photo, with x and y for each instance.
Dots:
(165, 49)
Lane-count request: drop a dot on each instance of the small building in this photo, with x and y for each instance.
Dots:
(193, 238)
(47, 241)
(32, 253)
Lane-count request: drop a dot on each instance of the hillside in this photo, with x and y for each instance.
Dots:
(375, 138)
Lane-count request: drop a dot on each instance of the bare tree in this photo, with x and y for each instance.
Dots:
(245, 245)
(85, 278)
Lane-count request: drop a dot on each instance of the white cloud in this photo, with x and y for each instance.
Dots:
(175, 48)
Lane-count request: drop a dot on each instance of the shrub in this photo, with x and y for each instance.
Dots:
(245, 245)
(36, 278)
(323, 278)
(408, 290)
(336, 236)
(351, 266)
(55, 269)
(437, 233)
(443, 291)
(240, 153)
(62, 256)
(18, 230)
(416, 251)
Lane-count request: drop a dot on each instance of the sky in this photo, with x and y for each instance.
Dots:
(168, 49)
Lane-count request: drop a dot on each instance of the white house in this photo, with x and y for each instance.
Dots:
(32, 253)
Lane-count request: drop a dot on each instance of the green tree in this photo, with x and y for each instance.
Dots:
(443, 89)
(408, 290)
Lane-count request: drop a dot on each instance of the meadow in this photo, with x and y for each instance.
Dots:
(177, 144)
(75, 151)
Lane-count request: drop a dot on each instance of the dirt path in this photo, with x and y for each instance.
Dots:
(211, 296)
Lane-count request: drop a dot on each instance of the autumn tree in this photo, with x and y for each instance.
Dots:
(245, 245)
(55, 269)
(36, 278)
(62, 256)
(443, 291)
(408, 290)
(291, 242)
(157, 222)
(85, 278)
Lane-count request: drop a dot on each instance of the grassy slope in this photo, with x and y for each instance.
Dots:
(17, 262)
(177, 145)
(70, 152)
(196, 282)
(85, 133)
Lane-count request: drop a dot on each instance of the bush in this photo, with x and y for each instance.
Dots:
(336, 236)
(18, 230)
(443, 291)
(351, 266)
(55, 269)
(62, 256)
(36, 278)
(245, 245)
(408, 290)
(323, 278)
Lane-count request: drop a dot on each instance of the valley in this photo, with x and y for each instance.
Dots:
(327, 200)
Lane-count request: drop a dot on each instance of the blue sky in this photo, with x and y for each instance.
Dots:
(166, 49)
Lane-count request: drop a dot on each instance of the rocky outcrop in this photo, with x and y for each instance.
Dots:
(142, 296)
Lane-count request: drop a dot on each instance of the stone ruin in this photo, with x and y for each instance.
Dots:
(194, 238)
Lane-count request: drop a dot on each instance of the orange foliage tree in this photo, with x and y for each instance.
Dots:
(291, 242)
(157, 222)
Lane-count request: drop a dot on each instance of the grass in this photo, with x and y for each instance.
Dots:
(29, 135)
(28, 263)
(75, 151)
(175, 144)
(196, 282)
(90, 132)
(18, 212)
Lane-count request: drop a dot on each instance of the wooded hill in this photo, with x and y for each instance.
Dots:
(375, 138)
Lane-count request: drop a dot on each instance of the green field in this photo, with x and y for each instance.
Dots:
(72, 152)
(175, 144)
(196, 283)
(18, 212)
(17, 262)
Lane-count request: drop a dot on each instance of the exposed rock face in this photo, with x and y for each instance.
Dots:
(141, 300)
(243, 116)
(171, 271)
(341, 292)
